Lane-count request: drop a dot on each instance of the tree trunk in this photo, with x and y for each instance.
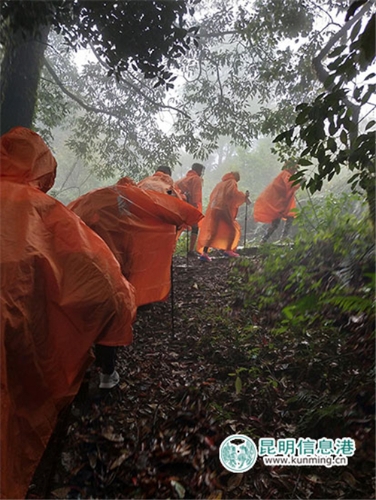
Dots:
(20, 74)
(371, 200)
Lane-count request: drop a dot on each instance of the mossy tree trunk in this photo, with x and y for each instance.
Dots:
(20, 74)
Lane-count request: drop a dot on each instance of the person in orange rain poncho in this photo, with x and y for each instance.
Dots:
(191, 187)
(62, 292)
(277, 201)
(162, 182)
(140, 228)
(219, 228)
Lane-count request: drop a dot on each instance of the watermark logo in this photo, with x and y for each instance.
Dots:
(238, 453)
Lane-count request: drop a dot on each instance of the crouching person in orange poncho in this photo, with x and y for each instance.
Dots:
(140, 228)
(277, 201)
(219, 228)
(62, 292)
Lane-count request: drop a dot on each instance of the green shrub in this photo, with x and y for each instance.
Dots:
(327, 271)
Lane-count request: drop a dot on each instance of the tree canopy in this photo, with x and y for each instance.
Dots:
(337, 129)
(252, 71)
(146, 35)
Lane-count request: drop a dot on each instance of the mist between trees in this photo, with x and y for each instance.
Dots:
(209, 81)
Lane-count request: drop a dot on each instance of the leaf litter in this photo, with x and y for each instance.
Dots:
(189, 380)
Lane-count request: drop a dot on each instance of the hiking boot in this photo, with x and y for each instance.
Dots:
(205, 257)
(107, 381)
(231, 253)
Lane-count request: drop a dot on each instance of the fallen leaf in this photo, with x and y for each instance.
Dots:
(116, 463)
(215, 495)
(234, 481)
(238, 385)
(92, 460)
(349, 478)
(61, 492)
(111, 436)
(179, 488)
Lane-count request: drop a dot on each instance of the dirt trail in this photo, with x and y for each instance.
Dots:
(153, 436)
(188, 382)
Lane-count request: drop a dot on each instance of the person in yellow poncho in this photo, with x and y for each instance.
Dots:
(61, 292)
(277, 202)
(219, 228)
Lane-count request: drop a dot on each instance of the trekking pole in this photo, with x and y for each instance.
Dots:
(172, 298)
(245, 220)
(187, 242)
(172, 301)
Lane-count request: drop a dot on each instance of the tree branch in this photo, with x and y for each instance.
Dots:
(136, 89)
(69, 174)
(219, 82)
(77, 99)
(204, 34)
(322, 74)
(324, 12)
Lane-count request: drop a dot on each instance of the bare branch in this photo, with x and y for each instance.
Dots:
(317, 61)
(317, 6)
(323, 74)
(219, 82)
(215, 34)
(69, 174)
(136, 89)
(77, 99)
(369, 112)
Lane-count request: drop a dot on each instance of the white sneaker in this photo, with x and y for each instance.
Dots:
(108, 381)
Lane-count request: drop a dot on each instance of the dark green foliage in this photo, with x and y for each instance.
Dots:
(330, 264)
(310, 343)
(335, 128)
(144, 34)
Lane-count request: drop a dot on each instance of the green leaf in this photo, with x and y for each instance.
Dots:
(332, 145)
(343, 137)
(284, 135)
(329, 81)
(352, 303)
(370, 92)
(370, 76)
(238, 385)
(179, 488)
(337, 51)
(304, 162)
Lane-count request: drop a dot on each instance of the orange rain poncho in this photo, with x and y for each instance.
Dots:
(219, 228)
(277, 200)
(191, 187)
(160, 182)
(62, 291)
(140, 228)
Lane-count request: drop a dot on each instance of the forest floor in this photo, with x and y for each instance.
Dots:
(189, 380)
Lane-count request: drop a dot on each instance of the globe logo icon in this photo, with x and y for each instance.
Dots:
(238, 453)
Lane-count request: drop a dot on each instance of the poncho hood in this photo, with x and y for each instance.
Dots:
(229, 176)
(26, 159)
(191, 173)
(126, 181)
